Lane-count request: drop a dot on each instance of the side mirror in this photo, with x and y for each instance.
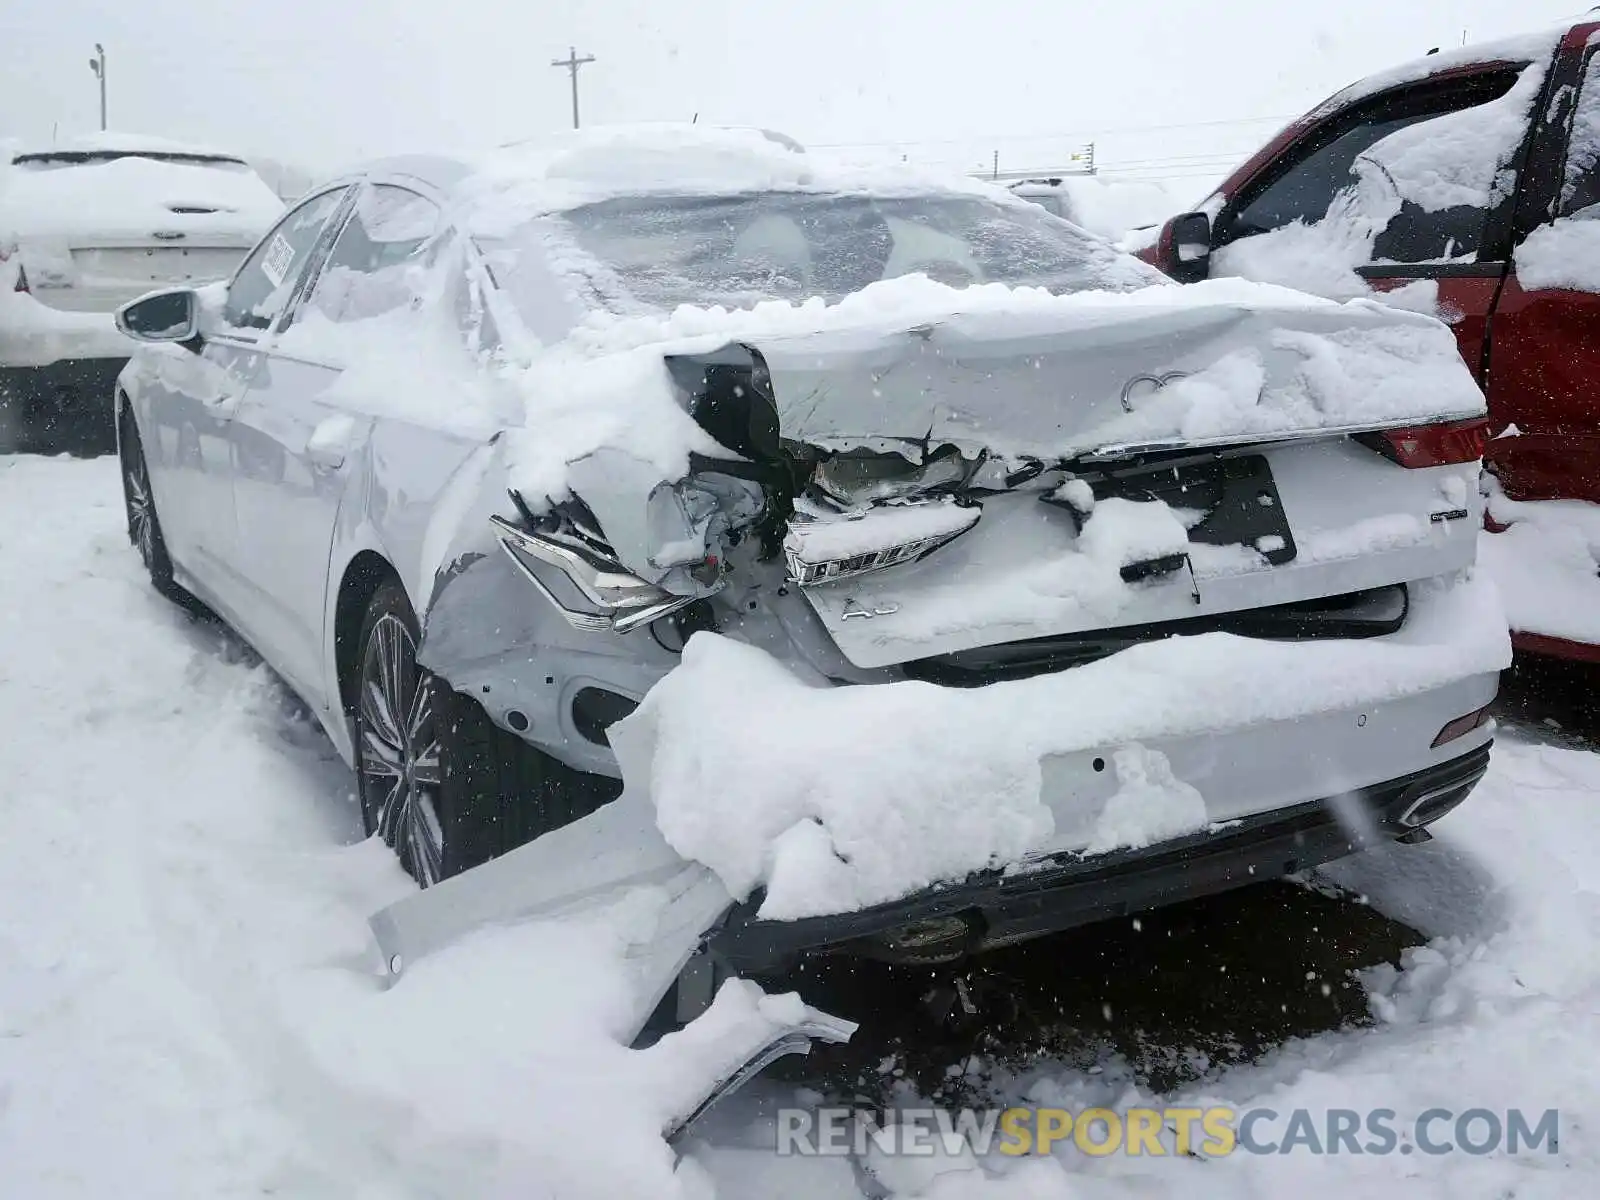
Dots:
(1186, 247)
(170, 316)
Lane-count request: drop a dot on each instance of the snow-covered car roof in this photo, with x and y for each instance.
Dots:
(1528, 47)
(564, 171)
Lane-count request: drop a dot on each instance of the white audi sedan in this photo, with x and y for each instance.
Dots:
(477, 455)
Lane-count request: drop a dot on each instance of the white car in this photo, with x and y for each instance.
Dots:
(482, 459)
(88, 226)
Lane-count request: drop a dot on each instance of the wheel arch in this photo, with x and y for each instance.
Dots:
(363, 575)
(123, 417)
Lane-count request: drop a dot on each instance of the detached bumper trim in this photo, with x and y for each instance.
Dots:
(1068, 891)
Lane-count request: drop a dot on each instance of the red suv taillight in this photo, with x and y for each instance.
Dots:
(1431, 445)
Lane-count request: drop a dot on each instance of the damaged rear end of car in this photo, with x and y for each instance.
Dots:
(929, 619)
(976, 504)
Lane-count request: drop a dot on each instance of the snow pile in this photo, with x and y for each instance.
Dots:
(566, 170)
(1369, 374)
(1150, 804)
(1321, 259)
(853, 796)
(1564, 254)
(1535, 47)
(122, 142)
(1546, 565)
(1373, 535)
(1123, 532)
(828, 537)
(408, 365)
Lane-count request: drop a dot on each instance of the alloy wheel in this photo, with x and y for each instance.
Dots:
(141, 510)
(399, 750)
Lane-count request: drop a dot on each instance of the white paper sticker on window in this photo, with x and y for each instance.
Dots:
(276, 261)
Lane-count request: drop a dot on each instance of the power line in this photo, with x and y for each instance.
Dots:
(1010, 138)
(1183, 159)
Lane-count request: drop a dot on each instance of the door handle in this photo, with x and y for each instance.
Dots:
(330, 441)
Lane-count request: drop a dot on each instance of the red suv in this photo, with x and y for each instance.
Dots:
(1471, 180)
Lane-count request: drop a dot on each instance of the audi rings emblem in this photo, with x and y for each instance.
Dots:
(1144, 385)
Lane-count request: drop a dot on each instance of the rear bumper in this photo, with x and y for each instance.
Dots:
(65, 407)
(996, 908)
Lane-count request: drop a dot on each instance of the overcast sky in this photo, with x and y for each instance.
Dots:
(325, 82)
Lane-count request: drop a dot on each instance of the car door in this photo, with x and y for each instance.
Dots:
(194, 398)
(1412, 186)
(1544, 354)
(294, 443)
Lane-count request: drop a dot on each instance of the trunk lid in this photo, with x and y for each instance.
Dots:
(1150, 368)
(1149, 463)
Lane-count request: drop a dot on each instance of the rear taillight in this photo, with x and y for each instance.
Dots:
(1440, 445)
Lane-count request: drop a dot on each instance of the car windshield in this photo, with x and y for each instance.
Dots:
(738, 250)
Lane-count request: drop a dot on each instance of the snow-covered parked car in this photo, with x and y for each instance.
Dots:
(87, 226)
(1109, 207)
(1465, 183)
(861, 560)
(1048, 194)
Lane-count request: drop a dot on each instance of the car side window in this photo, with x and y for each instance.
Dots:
(1306, 191)
(1580, 181)
(265, 283)
(1413, 179)
(367, 273)
(1563, 252)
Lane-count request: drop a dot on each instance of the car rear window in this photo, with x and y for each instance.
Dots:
(737, 250)
(49, 160)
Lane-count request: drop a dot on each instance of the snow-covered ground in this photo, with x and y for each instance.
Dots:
(187, 1005)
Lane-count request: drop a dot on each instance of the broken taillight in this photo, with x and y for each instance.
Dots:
(1441, 445)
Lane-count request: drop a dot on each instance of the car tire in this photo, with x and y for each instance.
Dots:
(144, 526)
(442, 785)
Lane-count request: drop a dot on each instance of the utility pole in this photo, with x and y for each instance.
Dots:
(97, 64)
(572, 62)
